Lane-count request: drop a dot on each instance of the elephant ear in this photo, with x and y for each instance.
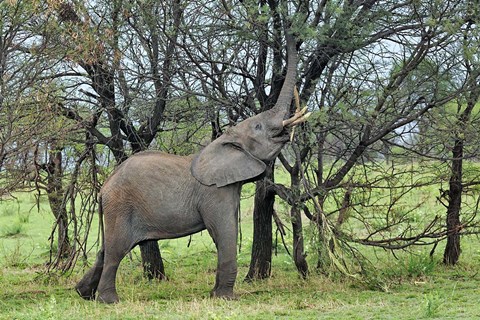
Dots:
(224, 162)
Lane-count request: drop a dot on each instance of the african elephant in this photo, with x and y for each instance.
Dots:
(154, 195)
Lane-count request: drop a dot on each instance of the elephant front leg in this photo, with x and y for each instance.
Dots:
(226, 266)
(225, 280)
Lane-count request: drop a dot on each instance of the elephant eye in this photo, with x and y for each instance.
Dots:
(258, 126)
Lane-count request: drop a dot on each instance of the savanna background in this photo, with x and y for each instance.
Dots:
(369, 213)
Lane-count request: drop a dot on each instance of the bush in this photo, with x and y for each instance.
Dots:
(12, 229)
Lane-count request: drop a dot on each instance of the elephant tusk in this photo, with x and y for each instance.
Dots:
(298, 121)
(297, 109)
(298, 115)
(297, 99)
(298, 112)
(301, 119)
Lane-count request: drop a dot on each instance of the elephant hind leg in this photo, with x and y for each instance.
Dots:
(117, 247)
(87, 286)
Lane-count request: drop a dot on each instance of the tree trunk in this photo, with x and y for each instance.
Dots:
(261, 260)
(152, 260)
(55, 195)
(452, 249)
(299, 256)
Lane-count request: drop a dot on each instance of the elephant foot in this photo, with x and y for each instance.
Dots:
(85, 291)
(225, 293)
(110, 296)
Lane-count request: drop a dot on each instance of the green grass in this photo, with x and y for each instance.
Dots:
(447, 294)
(413, 286)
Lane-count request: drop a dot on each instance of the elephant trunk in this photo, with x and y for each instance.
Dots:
(282, 106)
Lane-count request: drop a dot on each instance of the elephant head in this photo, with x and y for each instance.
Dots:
(241, 152)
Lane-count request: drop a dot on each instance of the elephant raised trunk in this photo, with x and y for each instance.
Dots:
(282, 106)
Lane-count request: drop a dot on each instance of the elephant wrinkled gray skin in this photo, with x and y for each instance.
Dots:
(155, 195)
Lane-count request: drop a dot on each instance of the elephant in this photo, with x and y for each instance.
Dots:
(154, 195)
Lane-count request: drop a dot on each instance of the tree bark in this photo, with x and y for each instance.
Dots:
(261, 260)
(452, 249)
(152, 260)
(299, 256)
(55, 193)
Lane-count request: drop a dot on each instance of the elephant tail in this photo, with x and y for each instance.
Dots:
(100, 219)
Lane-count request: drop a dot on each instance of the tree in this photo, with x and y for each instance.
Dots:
(362, 109)
(29, 123)
(462, 130)
(111, 74)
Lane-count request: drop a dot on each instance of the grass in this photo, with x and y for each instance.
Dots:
(413, 286)
(447, 295)
(16, 220)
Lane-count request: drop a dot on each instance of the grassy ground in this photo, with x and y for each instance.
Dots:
(410, 287)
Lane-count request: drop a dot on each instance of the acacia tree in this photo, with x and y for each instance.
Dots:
(464, 135)
(362, 110)
(17, 109)
(31, 137)
(444, 135)
(91, 73)
(119, 81)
